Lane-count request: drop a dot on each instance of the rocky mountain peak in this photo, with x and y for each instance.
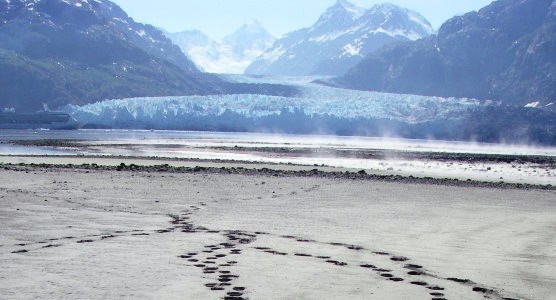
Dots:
(253, 30)
(343, 12)
(341, 37)
(253, 26)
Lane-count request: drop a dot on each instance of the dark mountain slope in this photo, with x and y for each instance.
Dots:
(506, 51)
(58, 52)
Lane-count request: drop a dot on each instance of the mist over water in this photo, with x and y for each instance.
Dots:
(388, 156)
(268, 140)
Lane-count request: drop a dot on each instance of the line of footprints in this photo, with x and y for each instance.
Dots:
(217, 261)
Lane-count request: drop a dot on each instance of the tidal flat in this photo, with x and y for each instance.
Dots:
(96, 233)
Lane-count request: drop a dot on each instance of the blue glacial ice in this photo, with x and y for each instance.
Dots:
(313, 100)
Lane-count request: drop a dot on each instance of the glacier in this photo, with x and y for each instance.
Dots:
(314, 102)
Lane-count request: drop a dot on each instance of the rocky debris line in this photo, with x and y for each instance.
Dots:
(361, 175)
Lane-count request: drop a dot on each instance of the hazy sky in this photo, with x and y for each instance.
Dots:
(218, 18)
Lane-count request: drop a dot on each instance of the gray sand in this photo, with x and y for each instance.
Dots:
(108, 234)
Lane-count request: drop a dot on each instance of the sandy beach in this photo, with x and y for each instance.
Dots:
(95, 234)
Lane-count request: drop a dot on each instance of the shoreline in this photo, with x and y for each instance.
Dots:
(189, 166)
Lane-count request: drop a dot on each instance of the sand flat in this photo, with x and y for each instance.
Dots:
(107, 234)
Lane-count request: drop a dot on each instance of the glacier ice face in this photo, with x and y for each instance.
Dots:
(314, 100)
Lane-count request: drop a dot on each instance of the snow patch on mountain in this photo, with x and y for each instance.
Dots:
(352, 49)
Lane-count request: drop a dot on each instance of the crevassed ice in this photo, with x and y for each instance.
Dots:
(313, 100)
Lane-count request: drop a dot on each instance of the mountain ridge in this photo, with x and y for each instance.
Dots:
(58, 52)
(503, 52)
(339, 39)
(55, 53)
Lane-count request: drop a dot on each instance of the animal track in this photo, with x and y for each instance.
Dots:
(367, 266)
(84, 241)
(482, 290)
(415, 273)
(337, 263)
(396, 279)
(399, 258)
(459, 280)
(20, 251)
(412, 266)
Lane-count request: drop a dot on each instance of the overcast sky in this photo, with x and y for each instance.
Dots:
(218, 18)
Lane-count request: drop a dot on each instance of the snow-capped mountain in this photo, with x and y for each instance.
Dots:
(340, 39)
(231, 55)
